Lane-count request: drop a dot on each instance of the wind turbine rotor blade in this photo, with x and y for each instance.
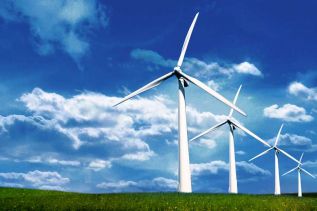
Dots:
(262, 153)
(184, 48)
(278, 135)
(235, 100)
(288, 155)
(237, 124)
(290, 171)
(209, 130)
(301, 157)
(150, 85)
(211, 92)
(307, 173)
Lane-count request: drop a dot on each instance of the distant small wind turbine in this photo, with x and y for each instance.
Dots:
(277, 150)
(183, 79)
(233, 187)
(299, 170)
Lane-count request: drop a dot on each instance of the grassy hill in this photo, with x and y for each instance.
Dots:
(25, 199)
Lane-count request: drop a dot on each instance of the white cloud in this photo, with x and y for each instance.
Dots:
(98, 164)
(310, 163)
(89, 120)
(298, 89)
(51, 187)
(295, 142)
(247, 68)
(197, 119)
(51, 160)
(90, 117)
(55, 24)
(203, 69)
(11, 184)
(166, 183)
(214, 85)
(37, 178)
(288, 139)
(115, 124)
(141, 156)
(116, 186)
(63, 162)
(288, 113)
(209, 143)
(252, 168)
(240, 152)
(196, 66)
(214, 167)
(156, 184)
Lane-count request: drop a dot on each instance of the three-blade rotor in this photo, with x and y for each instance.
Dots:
(231, 122)
(299, 168)
(179, 74)
(276, 149)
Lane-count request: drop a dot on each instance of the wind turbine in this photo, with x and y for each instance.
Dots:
(233, 187)
(183, 81)
(299, 170)
(277, 150)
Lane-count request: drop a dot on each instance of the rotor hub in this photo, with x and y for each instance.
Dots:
(177, 68)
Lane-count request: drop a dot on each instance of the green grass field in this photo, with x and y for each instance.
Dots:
(25, 199)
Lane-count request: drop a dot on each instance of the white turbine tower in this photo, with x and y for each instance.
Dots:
(277, 150)
(299, 170)
(233, 187)
(184, 176)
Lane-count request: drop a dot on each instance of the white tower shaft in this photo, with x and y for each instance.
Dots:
(277, 176)
(233, 187)
(299, 185)
(184, 175)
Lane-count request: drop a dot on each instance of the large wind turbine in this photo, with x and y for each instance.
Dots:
(183, 79)
(233, 187)
(277, 150)
(299, 170)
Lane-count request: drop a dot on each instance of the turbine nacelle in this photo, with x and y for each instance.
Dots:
(178, 73)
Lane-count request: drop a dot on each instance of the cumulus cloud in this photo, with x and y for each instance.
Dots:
(288, 113)
(310, 163)
(298, 89)
(252, 168)
(156, 184)
(210, 144)
(214, 167)
(116, 186)
(247, 68)
(291, 139)
(240, 152)
(59, 24)
(141, 156)
(196, 66)
(295, 142)
(54, 161)
(37, 179)
(88, 122)
(98, 164)
(214, 85)
(92, 115)
(198, 119)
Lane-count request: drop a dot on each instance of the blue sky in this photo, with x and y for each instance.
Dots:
(63, 64)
